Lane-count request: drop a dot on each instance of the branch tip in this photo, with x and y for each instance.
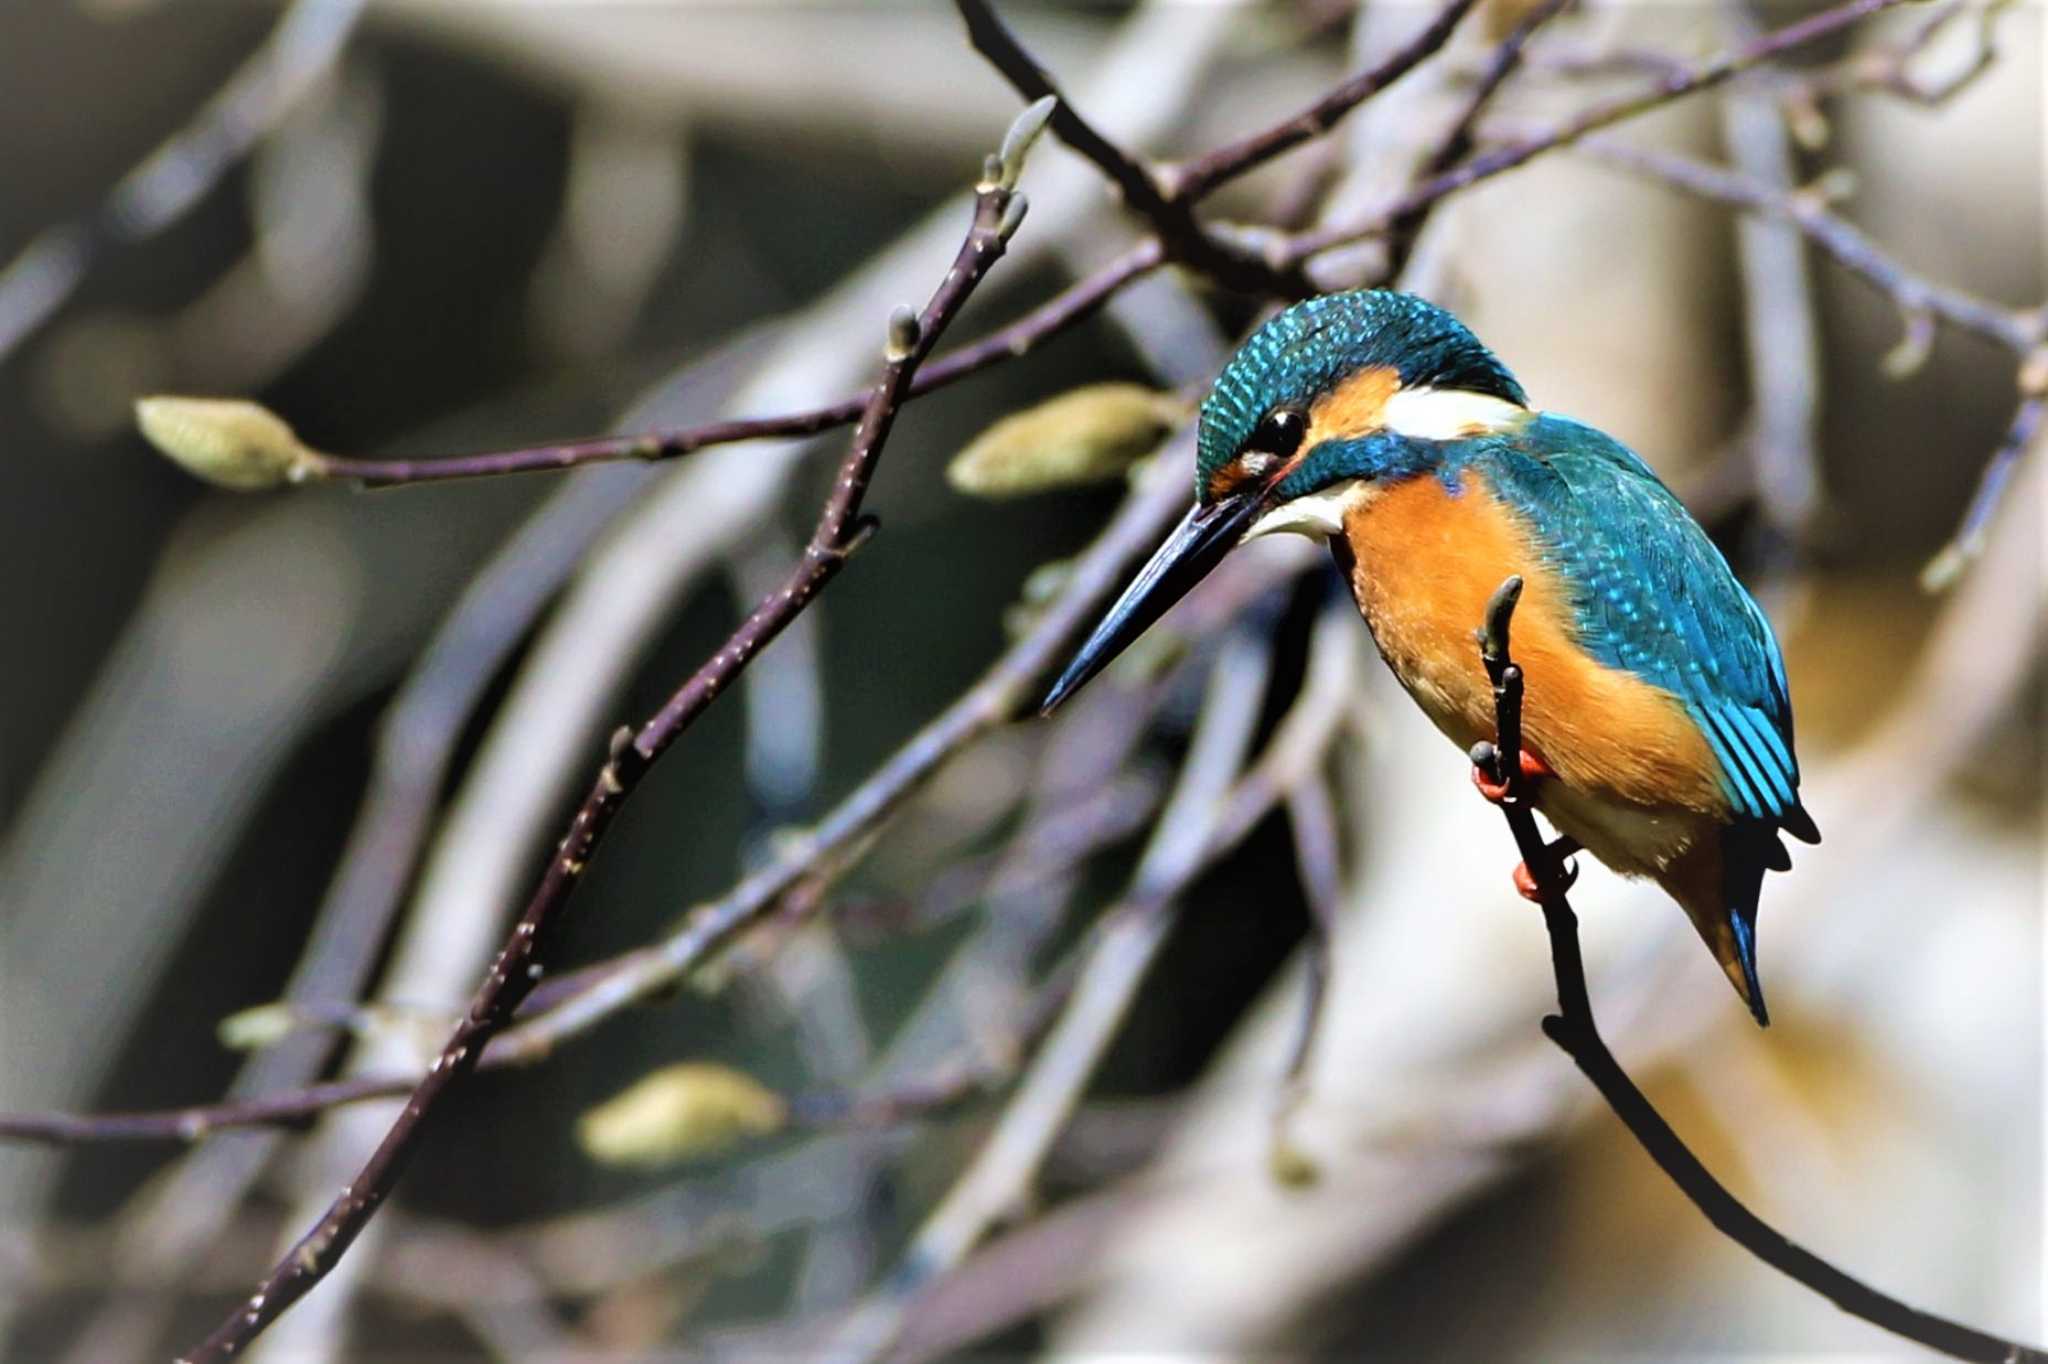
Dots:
(1024, 131)
(229, 442)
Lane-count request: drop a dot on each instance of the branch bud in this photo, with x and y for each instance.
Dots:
(1023, 132)
(682, 1112)
(904, 332)
(1013, 216)
(228, 442)
(260, 1025)
(1089, 435)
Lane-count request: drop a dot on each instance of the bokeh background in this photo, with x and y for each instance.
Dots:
(459, 226)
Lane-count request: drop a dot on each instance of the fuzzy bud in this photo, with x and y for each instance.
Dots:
(227, 441)
(1090, 435)
(689, 1111)
(1024, 130)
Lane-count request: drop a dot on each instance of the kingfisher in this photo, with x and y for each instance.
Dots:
(1657, 726)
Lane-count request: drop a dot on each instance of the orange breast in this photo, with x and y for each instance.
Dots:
(1425, 562)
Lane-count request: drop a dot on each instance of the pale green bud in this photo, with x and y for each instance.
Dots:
(228, 441)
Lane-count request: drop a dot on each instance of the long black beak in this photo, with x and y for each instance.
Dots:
(1197, 545)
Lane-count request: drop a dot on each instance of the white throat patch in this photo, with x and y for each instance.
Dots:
(1318, 515)
(1449, 413)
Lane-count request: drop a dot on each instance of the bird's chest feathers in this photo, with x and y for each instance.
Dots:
(1424, 561)
(1425, 558)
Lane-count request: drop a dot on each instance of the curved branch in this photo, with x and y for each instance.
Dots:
(1575, 1031)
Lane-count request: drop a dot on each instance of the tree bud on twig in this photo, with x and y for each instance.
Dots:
(1090, 435)
(227, 441)
(1013, 216)
(681, 1112)
(903, 334)
(260, 1025)
(1024, 130)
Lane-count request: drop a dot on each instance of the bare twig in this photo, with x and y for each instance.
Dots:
(1575, 1031)
(519, 964)
(1457, 140)
(1170, 214)
(2015, 329)
(1196, 179)
(1072, 305)
(1966, 546)
(1669, 87)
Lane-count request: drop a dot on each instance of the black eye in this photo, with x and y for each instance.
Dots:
(1278, 433)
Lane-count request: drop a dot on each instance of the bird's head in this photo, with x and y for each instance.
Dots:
(1326, 403)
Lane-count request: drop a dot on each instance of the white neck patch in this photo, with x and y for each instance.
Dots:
(1318, 515)
(1449, 413)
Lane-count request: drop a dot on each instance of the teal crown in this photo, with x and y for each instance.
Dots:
(1306, 351)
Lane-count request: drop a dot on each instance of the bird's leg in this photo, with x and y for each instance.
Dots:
(1533, 769)
(1558, 850)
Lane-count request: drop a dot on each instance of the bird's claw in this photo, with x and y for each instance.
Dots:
(1526, 886)
(1533, 769)
(1559, 854)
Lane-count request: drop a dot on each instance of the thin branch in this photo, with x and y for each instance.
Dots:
(1457, 140)
(2013, 328)
(1194, 180)
(1674, 85)
(520, 962)
(1073, 305)
(1171, 215)
(1575, 1031)
(1966, 546)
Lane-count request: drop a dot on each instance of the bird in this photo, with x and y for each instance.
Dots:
(1657, 720)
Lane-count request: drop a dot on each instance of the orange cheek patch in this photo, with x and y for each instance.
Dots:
(1352, 408)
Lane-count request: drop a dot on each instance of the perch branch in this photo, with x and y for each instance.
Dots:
(840, 530)
(1575, 1031)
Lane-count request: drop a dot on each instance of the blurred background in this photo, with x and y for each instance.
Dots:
(318, 743)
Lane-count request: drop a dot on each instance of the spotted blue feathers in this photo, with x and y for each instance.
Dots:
(1655, 597)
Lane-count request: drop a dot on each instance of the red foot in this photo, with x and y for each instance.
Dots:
(1525, 880)
(1561, 851)
(1533, 769)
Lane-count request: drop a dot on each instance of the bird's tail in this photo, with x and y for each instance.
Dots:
(1718, 881)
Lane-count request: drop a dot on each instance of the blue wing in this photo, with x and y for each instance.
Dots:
(1658, 600)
